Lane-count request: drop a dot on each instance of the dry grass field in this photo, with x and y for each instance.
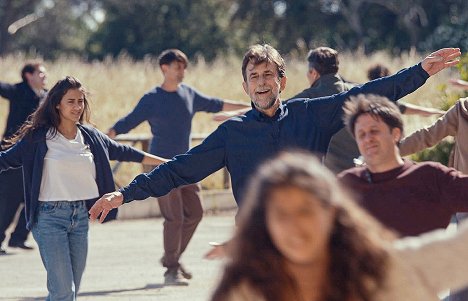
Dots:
(115, 86)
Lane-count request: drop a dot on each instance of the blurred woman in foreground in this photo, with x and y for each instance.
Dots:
(300, 237)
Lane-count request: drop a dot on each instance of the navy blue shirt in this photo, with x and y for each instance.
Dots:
(244, 142)
(29, 153)
(169, 115)
(23, 101)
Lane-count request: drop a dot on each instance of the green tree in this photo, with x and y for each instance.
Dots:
(11, 11)
(49, 28)
(289, 25)
(148, 27)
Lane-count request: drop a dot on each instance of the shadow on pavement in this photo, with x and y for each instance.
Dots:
(102, 293)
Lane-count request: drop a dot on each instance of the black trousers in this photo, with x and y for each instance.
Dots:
(11, 198)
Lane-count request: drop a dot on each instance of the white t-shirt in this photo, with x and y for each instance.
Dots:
(69, 173)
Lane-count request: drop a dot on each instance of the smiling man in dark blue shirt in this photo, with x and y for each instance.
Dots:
(243, 142)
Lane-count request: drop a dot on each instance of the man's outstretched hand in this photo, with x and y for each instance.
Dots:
(105, 204)
(441, 59)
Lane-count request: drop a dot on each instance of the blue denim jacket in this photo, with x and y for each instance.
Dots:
(244, 142)
(29, 154)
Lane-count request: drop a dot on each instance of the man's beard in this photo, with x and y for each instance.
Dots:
(266, 106)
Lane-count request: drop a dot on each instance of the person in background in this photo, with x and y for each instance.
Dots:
(409, 198)
(378, 70)
(300, 236)
(23, 97)
(66, 167)
(169, 110)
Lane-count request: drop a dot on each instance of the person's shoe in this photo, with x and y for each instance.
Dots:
(2, 251)
(186, 274)
(20, 245)
(173, 277)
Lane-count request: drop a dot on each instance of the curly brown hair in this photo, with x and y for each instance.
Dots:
(358, 258)
(375, 105)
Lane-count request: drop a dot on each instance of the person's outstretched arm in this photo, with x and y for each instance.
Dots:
(225, 115)
(204, 103)
(411, 109)
(12, 157)
(140, 113)
(7, 90)
(459, 83)
(188, 168)
(121, 152)
(231, 105)
(328, 112)
(438, 257)
(150, 159)
(446, 125)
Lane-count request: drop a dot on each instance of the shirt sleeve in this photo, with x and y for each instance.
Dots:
(12, 157)
(139, 114)
(439, 257)
(306, 93)
(452, 186)
(203, 103)
(188, 168)
(7, 90)
(328, 111)
(120, 152)
(446, 125)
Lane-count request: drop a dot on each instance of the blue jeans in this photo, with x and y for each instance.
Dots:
(61, 232)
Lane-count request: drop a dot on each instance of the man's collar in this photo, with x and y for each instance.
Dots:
(330, 77)
(279, 114)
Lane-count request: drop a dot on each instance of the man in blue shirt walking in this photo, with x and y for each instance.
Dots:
(244, 142)
(169, 110)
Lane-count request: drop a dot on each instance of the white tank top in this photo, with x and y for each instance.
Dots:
(69, 173)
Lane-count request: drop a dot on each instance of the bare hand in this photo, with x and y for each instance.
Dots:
(459, 83)
(105, 204)
(218, 251)
(441, 59)
(222, 116)
(225, 115)
(431, 112)
(111, 133)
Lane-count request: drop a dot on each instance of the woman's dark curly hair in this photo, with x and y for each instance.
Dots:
(357, 257)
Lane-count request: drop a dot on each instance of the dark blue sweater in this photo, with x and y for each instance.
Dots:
(29, 153)
(244, 142)
(169, 115)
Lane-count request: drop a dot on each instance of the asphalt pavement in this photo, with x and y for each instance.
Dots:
(123, 263)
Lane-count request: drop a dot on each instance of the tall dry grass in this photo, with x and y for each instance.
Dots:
(117, 84)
